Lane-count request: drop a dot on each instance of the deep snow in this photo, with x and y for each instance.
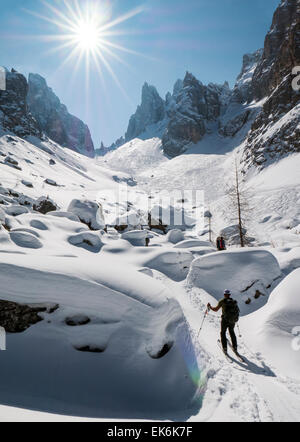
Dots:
(139, 356)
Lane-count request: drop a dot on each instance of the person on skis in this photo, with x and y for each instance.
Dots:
(221, 243)
(230, 316)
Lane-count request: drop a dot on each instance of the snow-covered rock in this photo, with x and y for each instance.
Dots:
(275, 329)
(175, 236)
(175, 264)
(87, 240)
(77, 369)
(191, 243)
(25, 240)
(62, 214)
(2, 216)
(244, 272)
(50, 182)
(88, 213)
(27, 183)
(136, 237)
(15, 210)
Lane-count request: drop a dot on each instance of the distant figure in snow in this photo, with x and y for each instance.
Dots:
(221, 243)
(147, 241)
(230, 316)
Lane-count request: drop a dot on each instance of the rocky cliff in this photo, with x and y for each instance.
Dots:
(262, 111)
(14, 113)
(276, 130)
(54, 119)
(192, 106)
(150, 111)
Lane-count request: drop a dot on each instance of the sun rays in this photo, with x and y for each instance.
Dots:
(83, 31)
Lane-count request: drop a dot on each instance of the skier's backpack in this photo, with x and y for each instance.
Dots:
(231, 310)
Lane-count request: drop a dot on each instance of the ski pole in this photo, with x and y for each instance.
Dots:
(240, 335)
(206, 311)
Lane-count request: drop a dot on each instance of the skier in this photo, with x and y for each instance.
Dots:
(230, 315)
(221, 243)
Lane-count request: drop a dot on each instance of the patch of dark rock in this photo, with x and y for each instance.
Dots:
(52, 162)
(90, 349)
(258, 294)
(121, 228)
(12, 165)
(10, 139)
(77, 320)
(164, 350)
(249, 287)
(14, 193)
(48, 308)
(248, 301)
(16, 318)
(10, 160)
(45, 206)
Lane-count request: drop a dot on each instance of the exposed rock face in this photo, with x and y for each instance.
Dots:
(16, 318)
(54, 119)
(195, 105)
(151, 111)
(262, 111)
(276, 130)
(242, 92)
(281, 50)
(14, 114)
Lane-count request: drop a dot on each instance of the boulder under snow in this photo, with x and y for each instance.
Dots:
(248, 273)
(89, 213)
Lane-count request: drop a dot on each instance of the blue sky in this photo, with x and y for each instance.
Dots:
(205, 37)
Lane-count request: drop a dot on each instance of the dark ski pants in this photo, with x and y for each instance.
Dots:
(224, 326)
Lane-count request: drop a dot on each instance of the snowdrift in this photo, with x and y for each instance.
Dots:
(275, 329)
(111, 349)
(248, 273)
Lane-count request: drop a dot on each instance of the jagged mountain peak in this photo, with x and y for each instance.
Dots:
(177, 87)
(250, 61)
(14, 113)
(191, 80)
(275, 132)
(55, 120)
(150, 111)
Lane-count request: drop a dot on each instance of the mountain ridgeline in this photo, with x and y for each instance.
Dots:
(30, 108)
(262, 109)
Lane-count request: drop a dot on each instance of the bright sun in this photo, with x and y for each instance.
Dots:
(85, 33)
(87, 36)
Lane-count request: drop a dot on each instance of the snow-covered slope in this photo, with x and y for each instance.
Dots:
(118, 335)
(275, 327)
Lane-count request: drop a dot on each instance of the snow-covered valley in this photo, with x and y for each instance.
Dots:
(113, 261)
(118, 337)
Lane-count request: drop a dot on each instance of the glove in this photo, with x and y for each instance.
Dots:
(208, 306)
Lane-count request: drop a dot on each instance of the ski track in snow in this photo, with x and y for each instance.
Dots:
(254, 391)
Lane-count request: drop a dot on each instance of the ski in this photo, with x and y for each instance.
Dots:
(240, 357)
(229, 359)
